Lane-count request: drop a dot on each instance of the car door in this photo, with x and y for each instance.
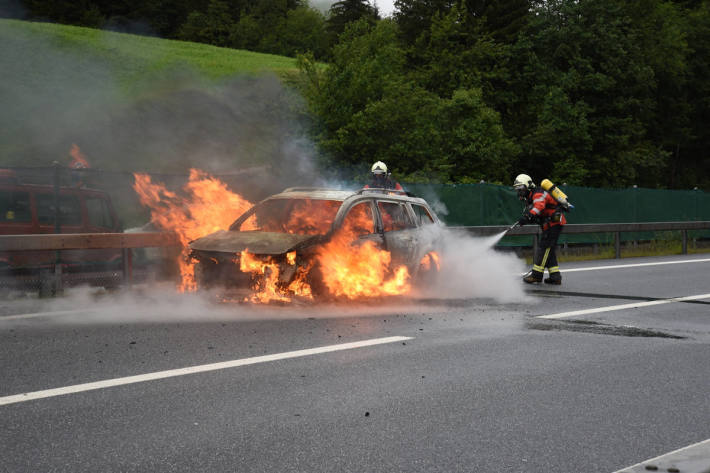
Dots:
(399, 232)
(70, 221)
(100, 219)
(15, 219)
(360, 222)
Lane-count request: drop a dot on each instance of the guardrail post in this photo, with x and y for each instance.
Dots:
(57, 282)
(617, 245)
(127, 258)
(57, 286)
(684, 246)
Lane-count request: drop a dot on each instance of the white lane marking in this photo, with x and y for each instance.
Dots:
(636, 265)
(108, 383)
(633, 305)
(695, 457)
(53, 313)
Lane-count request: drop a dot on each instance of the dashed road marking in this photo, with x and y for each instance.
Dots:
(637, 265)
(52, 313)
(108, 383)
(610, 308)
(693, 458)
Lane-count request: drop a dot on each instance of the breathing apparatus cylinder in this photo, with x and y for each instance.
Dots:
(555, 191)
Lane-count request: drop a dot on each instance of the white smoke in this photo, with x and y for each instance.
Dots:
(472, 268)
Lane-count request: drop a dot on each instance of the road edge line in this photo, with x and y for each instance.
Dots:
(108, 383)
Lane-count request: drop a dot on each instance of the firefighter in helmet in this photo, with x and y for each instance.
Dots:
(543, 209)
(381, 179)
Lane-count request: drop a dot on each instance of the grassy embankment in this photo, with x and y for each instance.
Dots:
(132, 103)
(136, 59)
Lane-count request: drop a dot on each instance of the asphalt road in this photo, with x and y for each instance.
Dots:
(476, 386)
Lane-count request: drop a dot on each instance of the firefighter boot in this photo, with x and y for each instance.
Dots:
(533, 277)
(555, 278)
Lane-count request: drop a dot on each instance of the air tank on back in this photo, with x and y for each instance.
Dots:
(555, 191)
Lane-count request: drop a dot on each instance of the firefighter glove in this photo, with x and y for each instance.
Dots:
(523, 220)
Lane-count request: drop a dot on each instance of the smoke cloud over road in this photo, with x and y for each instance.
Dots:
(472, 268)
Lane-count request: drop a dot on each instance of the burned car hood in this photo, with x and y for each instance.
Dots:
(259, 243)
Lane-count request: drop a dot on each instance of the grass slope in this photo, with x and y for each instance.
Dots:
(134, 56)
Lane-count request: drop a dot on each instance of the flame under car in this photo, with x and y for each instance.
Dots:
(306, 242)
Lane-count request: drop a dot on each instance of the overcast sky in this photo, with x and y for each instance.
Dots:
(386, 6)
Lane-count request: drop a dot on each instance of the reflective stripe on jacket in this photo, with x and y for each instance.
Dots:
(544, 209)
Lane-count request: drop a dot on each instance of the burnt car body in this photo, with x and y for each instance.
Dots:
(299, 221)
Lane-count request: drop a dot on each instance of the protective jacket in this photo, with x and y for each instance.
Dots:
(543, 209)
(386, 183)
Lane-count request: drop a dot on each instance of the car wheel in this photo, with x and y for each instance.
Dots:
(206, 274)
(428, 270)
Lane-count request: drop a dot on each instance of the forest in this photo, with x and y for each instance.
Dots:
(596, 93)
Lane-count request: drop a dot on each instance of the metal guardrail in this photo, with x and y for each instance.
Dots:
(615, 228)
(88, 241)
(127, 241)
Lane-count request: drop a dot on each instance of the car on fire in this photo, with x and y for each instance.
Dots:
(291, 228)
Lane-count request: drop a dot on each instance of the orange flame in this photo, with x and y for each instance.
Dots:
(351, 267)
(207, 206)
(312, 217)
(429, 259)
(267, 273)
(79, 160)
(268, 285)
(356, 269)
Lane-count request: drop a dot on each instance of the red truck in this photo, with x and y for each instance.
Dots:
(31, 209)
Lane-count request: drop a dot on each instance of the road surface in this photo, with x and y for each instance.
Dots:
(597, 375)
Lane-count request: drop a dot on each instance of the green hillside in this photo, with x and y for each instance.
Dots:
(138, 103)
(134, 57)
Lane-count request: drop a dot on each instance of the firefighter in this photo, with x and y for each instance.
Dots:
(381, 179)
(543, 209)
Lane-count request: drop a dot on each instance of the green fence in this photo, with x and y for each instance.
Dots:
(490, 204)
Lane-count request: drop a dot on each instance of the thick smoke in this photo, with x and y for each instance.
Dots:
(145, 114)
(472, 268)
(57, 91)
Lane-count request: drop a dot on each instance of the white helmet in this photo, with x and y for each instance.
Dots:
(379, 168)
(523, 180)
(523, 184)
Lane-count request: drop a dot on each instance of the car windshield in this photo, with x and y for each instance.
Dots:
(299, 216)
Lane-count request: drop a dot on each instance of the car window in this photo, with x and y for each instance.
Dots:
(15, 207)
(299, 216)
(359, 220)
(422, 215)
(69, 209)
(98, 212)
(394, 216)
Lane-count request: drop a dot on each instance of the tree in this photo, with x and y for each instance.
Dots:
(415, 16)
(212, 27)
(304, 30)
(691, 164)
(372, 108)
(456, 54)
(345, 12)
(505, 19)
(584, 61)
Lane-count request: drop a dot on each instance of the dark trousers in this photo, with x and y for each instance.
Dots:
(546, 255)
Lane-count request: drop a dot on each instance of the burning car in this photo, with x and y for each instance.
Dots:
(314, 242)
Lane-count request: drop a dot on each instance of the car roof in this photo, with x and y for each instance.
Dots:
(22, 186)
(312, 193)
(342, 195)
